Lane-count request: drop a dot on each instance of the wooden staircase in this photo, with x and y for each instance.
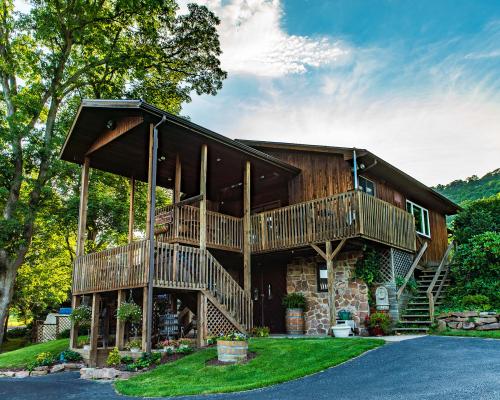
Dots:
(416, 317)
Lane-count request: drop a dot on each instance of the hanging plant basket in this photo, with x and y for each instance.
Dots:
(81, 315)
(129, 312)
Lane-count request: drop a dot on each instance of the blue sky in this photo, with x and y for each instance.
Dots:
(418, 83)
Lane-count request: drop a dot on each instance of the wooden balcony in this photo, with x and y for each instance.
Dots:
(345, 215)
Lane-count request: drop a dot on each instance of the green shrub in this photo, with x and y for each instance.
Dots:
(113, 358)
(381, 320)
(476, 302)
(17, 332)
(129, 311)
(41, 360)
(411, 286)
(145, 361)
(64, 334)
(127, 360)
(260, 331)
(81, 315)
(295, 300)
(70, 355)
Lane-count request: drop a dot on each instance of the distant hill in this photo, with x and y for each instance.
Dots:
(472, 188)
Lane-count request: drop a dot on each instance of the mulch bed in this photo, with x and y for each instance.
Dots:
(214, 361)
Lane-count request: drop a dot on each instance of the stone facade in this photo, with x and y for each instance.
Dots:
(350, 294)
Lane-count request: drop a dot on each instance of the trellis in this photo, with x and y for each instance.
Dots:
(217, 323)
(46, 331)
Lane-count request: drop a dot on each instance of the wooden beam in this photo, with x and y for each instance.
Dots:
(131, 211)
(120, 325)
(319, 251)
(145, 318)
(201, 329)
(94, 329)
(82, 214)
(178, 179)
(73, 333)
(247, 266)
(150, 182)
(203, 202)
(123, 126)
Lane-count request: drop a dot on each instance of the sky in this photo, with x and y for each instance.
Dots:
(417, 83)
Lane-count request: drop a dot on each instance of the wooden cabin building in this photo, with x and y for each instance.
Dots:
(250, 221)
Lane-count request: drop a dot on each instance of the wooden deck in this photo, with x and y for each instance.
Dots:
(345, 215)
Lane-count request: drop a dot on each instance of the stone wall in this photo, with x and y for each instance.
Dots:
(469, 320)
(350, 295)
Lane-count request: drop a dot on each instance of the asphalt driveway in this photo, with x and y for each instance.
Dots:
(424, 368)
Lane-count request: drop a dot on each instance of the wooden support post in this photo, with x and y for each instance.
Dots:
(144, 318)
(201, 330)
(131, 211)
(120, 325)
(328, 255)
(246, 230)
(94, 329)
(82, 215)
(150, 182)
(203, 202)
(178, 179)
(73, 333)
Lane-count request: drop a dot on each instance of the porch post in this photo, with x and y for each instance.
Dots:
(178, 177)
(131, 210)
(94, 329)
(201, 329)
(120, 325)
(145, 322)
(246, 229)
(73, 333)
(203, 202)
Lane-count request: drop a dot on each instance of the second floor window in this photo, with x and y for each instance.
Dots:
(421, 215)
(366, 185)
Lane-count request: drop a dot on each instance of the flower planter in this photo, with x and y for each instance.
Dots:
(86, 347)
(135, 350)
(232, 351)
(341, 331)
(295, 321)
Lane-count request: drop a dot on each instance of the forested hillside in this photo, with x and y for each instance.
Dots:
(472, 188)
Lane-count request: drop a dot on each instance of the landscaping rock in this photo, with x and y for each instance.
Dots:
(468, 325)
(57, 368)
(441, 325)
(488, 314)
(22, 374)
(8, 374)
(482, 321)
(39, 373)
(455, 325)
(41, 369)
(489, 327)
(99, 373)
(444, 315)
(465, 314)
(73, 366)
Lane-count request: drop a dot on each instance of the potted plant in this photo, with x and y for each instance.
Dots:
(84, 343)
(81, 316)
(134, 346)
(295, 304)
(379, 324)
(129, 312)
(232, 348)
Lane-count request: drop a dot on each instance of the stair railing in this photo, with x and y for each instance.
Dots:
(444, 265)
(409, 274)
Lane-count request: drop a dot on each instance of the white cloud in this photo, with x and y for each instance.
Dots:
(254, 43)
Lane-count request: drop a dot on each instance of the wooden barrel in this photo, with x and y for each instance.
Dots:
(295, 321)
(231, 351)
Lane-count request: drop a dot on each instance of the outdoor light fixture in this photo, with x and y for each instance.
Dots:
(110, 124)
(262, 177)
(218, 159)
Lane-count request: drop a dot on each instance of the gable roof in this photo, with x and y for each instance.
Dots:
(414, 189)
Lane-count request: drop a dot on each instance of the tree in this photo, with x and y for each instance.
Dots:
(63, 50)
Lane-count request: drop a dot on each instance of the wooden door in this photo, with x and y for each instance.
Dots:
(268, 289)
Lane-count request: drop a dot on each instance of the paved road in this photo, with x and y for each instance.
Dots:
(426, 368)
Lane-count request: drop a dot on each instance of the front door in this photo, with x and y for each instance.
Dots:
(268, 289)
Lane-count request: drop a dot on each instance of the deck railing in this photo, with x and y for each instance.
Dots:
(118, 268)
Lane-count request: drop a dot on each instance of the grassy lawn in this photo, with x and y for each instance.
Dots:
(480, 334)
(278, 360)
(13, 344)
(19, 358)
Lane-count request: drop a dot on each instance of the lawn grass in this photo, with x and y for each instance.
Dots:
(13, 344)
(20, 357)
(277, 360)
(480, 334)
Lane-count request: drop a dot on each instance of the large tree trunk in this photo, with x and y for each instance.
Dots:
(7, 278)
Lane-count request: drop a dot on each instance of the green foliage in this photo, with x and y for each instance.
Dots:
(130, 312)
(234, 336)
(81, 315)
(18, 332)
(260, 331)
(472, 188)
(145, 361)
(133, 344)
(476, 269)
(477, 217)
(114, 358)
(20, 357)
(41, 360)
(64, 334)
(381, 320)
(295, 300)
(476, 302)
(411, 286)
(367, 268)
(126, 360)
(70, 355)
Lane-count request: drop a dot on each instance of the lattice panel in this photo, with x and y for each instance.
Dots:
(401, 261)
(217, 323)
(46, 332)
(386, 273)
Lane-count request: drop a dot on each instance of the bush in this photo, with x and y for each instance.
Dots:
(476, 302)
(295, 300)
(134, 343)
(129, 311)
(127, 360)
(70, 355)
(381, 320)
(145, 361)
(17, 332)
(81, 315)
(113, 358)
(476, 269)
(41, 360)
(64, 334)
(260, 331)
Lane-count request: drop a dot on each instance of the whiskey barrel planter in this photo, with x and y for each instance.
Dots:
(295, 321)
(232, 351)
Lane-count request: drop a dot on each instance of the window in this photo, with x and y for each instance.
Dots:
(366, 185)
(421, 218)
(322, 278)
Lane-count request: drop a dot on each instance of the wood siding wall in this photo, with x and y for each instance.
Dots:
(326, 174)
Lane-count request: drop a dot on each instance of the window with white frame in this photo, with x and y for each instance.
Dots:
(322, 278)
(366, 185)
(421, 215)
